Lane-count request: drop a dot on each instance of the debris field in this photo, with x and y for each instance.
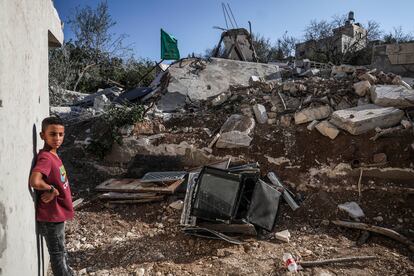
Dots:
(338, 138)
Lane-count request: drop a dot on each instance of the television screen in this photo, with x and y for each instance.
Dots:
(217, 194)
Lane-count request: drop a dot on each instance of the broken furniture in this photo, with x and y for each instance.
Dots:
(128, 190)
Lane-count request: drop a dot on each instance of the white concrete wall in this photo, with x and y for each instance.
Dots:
(25, 26)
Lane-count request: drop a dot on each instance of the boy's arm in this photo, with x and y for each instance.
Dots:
(37, 182)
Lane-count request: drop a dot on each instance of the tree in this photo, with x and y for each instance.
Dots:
(92, 32)
(398, 36)
(96, 58)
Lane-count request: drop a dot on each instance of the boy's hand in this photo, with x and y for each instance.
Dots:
(48, 197)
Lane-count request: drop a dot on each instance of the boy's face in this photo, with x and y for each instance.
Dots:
(53, 136)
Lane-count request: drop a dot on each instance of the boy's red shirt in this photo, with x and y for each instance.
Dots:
(61, 207)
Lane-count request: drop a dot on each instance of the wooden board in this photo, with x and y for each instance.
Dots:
(128, 185)
(120, 196)
(135, 201)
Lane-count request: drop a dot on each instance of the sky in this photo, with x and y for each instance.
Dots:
(192, 21)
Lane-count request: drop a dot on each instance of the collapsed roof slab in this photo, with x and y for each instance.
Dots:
(199, 79)
(364, 118)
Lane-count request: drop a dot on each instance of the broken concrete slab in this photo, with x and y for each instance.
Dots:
(327, 129)
(171, 102)
(362, 87)
(236, 131)
(260, 113)
(215, 78)
(352, 208)
(312, 113)
(392, 95)
(364, 118)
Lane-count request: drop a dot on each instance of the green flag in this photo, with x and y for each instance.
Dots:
(169, 49)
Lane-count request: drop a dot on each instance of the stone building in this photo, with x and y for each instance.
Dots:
(27, 29)
(349, 37)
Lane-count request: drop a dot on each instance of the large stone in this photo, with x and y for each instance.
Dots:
(362, 87)
(368, 77)
(353, 209)
(327, 129)
(364, 118)
(212, 79)
(236, 131)
(312, 113)
(392, 95)
(260, 113)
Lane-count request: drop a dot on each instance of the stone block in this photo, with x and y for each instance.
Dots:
(368, 77)
(392, 95)
(260, 113)
(364, 118)
(327, 129)
(312, 113)
(362, 87)
(352, 208)
(236, 131)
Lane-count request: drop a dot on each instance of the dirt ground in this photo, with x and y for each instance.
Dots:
(146, 239)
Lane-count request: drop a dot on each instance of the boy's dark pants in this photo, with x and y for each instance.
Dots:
(54, 234)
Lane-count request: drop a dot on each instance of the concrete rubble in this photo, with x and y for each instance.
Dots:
(310, 114)
(353, 209)
(327, 129)
(361, 119)
(260, 113)
(362, 87)
(189, 82)
(236, 132)
(392, 95)
(244, 116)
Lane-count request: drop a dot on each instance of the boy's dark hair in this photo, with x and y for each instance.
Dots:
(51, 121)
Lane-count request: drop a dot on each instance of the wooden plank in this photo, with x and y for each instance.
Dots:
(127, 185)
(135, 201)
(116, 195)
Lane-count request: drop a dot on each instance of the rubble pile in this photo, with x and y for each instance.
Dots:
(318, 129)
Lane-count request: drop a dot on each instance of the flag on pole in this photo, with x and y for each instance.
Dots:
(169, 47)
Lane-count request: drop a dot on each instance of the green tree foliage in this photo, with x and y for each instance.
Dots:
(96, 58)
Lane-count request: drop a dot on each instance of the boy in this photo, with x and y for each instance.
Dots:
(49, 178)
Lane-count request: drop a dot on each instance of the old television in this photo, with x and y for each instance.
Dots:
(217, 195)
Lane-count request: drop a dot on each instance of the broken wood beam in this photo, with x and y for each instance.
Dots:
(376, 229)
(336, 260)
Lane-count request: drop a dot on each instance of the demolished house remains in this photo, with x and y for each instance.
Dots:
(225, 143)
